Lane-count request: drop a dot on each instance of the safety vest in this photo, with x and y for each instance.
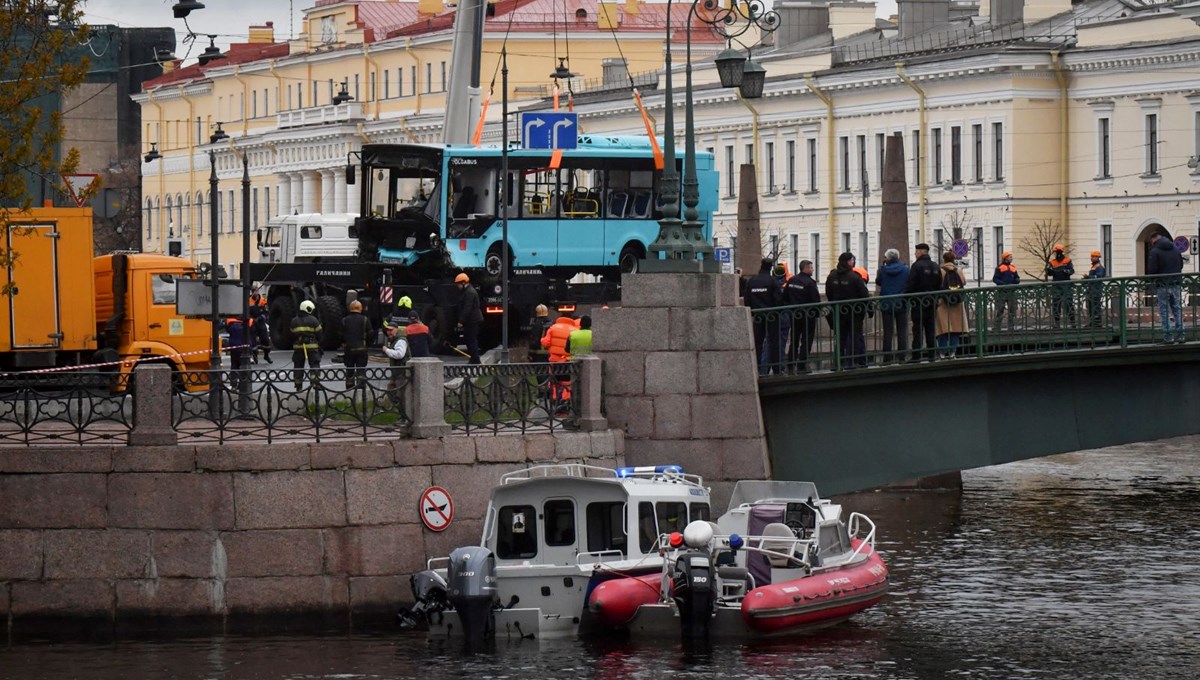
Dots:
(580, 342)
(555, 339)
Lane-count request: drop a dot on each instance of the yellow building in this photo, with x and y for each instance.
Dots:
(276, 101)
(1024, 112)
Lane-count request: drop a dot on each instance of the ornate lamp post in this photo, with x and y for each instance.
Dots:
(681, 242)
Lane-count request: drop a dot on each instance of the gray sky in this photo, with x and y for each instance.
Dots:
(228, 19)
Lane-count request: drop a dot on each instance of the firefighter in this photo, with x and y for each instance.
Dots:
(306, 332)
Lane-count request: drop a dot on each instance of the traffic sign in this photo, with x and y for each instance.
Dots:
(1182, 243)
(79, 187)
(193, 297)
(724, 256)
(549, 130)
(436, 508)
(961, 248)
(1195, 244)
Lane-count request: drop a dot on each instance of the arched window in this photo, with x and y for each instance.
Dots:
(149, 219)
(186, 211)
(169, 217)
(199, 214)
(158, 216)
(179, 214)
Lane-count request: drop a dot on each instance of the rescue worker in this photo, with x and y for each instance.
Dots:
(420, 343)
(1006, 298)
(555, 340)
(762, 292)
(260, 329)
(579, 342)
(1059, 268)
(238, 352)
(470, 315)
(306, 347)
(358, 333)
(1095, 291)
(537, 328)
(801, 289)
(398, 351)
(924, 276)
(403, 307)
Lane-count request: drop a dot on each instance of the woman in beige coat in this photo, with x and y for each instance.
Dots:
(951, 321)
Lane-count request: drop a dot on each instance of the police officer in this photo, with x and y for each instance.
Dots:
(306, 332)
(358, 333)
(763, 291)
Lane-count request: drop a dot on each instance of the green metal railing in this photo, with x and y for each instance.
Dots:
(1038, 318)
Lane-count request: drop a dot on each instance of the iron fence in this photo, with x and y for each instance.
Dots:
(65, 408)
(286, 405)
(512, 397)
(984, 322)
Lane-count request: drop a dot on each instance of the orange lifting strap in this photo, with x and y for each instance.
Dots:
(482, 117)
(659, 163)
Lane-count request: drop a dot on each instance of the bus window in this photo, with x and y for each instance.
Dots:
(517, 532)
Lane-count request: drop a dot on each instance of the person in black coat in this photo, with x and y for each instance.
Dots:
(470, 316)
(358, 334)
(762, 292)
(1164, 258)
(845, 285)
(801, 289)
(924, 276)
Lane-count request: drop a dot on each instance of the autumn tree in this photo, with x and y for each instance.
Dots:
(39, 60)
(1038, 246)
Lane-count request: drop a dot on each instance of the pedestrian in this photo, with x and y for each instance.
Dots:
(398, 350)
(1006, 275)
(537, 328)
(1095, 292)
(846, 286)
(358, 334)
(951, 309)
(801, 289)
(762, 292)
(420, 342)
(306, 347)
(924, 278)
(470, 316)
(579, 342)
(1164, 259)
(893, 310)
(778, 336)
(1060, 268)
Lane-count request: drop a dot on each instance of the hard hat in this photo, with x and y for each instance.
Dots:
(307, 306)
(462, 278)
(1096, 253)
(1058, 246)
(355, 306)
(1005, 254)
(404, 301)
(541, 310)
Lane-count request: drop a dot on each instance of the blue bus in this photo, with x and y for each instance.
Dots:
(431, 209)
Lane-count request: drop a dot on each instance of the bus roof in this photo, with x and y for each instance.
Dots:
(592, 146)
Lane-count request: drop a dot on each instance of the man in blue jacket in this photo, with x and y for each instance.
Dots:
(1006, 275)
(890, 280)
(1164, 259)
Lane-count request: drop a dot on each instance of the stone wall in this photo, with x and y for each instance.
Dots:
(680, 377)
(221, 531)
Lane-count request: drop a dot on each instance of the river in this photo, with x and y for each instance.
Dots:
(1082, 565)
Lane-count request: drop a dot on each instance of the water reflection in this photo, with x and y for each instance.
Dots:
(1081, 565)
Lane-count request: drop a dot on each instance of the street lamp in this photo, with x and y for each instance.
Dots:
(214, 217)
(680, 242)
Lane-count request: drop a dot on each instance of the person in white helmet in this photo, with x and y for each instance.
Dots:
(306, 346)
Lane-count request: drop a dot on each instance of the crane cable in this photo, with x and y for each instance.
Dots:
(659, 161)
(478, 136)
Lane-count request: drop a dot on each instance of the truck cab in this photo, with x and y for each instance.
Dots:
(310, 237)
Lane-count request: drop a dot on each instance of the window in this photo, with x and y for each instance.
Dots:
(844, 156)
(795, 248)
(1106, 246)
(939, 243)
(516, 537)
(289, 99)
(314, 92)
(387, 84)
(266, 203)
(880, 149)
(199, 130)
(978, 253)
(916, 145)
(412, 75)
(701, 510)
(606, 527)
(1104, 132)
(254, 205)
(812, 165)
(372, 92)
(862, 160)
(750, 154)
(773, 246)
(730, 180)
(149, 219)
(443, 88)
(936, 165)
(977, 153)
(163, 289)
(770, 154)
(357, 98)
(791, 166)
(998, 151)
(299, 97)
(814, 248)
(956, 155)
(1151, 144)
(200, 207)
(672, 516)
(998, 242)
(428, 77)
(559, 522)
(1195, 140)
(647, 529)
(232, 212)
(254, 107)
(267, 101)
(845, 241)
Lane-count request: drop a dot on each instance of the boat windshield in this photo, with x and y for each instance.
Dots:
(751, 491)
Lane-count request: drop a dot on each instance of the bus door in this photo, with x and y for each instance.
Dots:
(581, 220)
(532, 225)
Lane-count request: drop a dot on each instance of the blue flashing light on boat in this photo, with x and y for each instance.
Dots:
(630, 471)
(735, 541)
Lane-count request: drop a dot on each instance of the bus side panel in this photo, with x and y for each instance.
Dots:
(619, 232)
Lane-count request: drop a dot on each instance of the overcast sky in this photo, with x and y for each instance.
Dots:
(230, 19)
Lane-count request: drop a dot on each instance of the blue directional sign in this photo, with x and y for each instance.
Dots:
(549, 130)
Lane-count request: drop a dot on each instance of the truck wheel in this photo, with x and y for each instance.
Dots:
(629, 258)
(329, 312)
(279, 317)
(439, 330)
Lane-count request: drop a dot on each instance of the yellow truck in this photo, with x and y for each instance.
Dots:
(65, 307)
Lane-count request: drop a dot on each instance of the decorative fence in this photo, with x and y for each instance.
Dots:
(1003, 320)
(512, 397)
(67, 407)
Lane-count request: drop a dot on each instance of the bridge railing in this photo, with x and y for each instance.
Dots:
(984, 322)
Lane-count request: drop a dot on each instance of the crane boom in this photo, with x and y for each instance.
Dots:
(464, 95)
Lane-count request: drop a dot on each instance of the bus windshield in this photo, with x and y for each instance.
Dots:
(402, 177)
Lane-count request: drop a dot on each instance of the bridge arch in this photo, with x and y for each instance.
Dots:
(1142, 242)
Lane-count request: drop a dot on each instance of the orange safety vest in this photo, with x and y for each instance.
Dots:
(555, 338)
(1005, 268)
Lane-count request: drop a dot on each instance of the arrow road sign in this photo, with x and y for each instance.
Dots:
(549, 130)
(436, 508)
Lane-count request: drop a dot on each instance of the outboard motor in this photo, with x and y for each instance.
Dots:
(695, 594)
(429, 595)
(472, 591)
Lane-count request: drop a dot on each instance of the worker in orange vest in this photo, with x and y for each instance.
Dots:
(555, 340)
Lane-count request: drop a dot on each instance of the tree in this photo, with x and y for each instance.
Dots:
(117, 224)
(39, 60)
(1039, 244)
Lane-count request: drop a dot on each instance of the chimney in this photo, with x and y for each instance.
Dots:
(1006, 11)
(608, 16)
(800, 19)
(613, 69)
(847, 17)
(429, 7)
(633, 6)
(918, 16)
(262, 34)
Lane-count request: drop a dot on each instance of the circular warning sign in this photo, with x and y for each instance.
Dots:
(961, 248)
(436, 508)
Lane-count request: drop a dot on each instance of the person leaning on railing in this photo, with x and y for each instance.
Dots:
(1006, 298)
(1095, 292)
(1060, 268)
(951, 309)
(1164, 258)
(801, 289)
(923, 277)
(890, 281)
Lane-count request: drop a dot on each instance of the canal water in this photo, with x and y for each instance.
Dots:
(1082, 565)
